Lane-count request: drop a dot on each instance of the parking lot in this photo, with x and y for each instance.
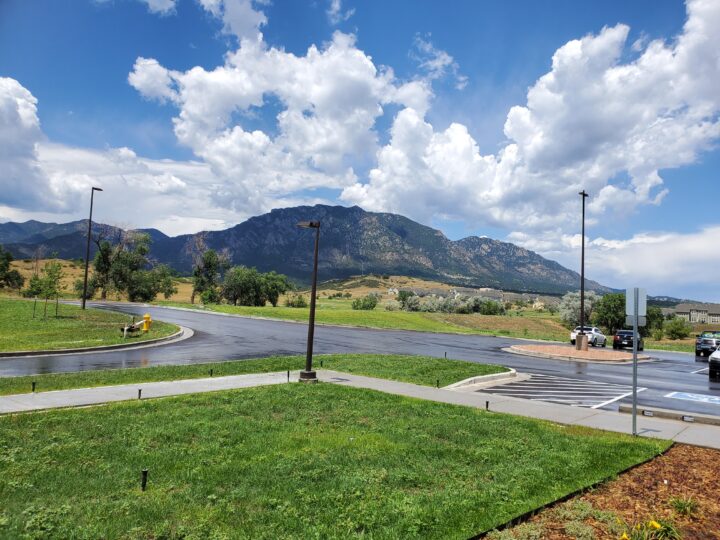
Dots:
(575, 392)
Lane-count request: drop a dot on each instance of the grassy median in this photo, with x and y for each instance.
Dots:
(423, 370)
(291, 461)
(72, 328)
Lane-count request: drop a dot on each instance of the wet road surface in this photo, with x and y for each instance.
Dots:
(219, 338)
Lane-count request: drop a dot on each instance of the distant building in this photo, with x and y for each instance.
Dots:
(699, 313)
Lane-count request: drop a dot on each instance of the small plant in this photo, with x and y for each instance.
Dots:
(392, 305)
(366, 303)
(651, 530)
(658, 334)
(296, 301)
(684, 506)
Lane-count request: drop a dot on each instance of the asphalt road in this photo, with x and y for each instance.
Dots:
(220, 338)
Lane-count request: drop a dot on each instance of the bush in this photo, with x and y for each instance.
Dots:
(412, 303)
(392, 305)
(677, 329)
(658, 334)
(366, 303)
(296, 301)
(210, 296)
(403, 297)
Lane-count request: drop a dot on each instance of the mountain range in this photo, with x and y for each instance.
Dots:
(352, 241)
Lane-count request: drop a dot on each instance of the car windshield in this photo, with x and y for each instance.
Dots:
(625, 333)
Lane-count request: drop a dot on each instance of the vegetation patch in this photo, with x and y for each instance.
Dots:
(672, 496)
(72, 328)
(423, 370)
(294, 461)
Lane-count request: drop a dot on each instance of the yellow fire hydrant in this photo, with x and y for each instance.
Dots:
(147, 321)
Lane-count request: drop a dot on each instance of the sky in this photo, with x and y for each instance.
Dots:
(476, 118)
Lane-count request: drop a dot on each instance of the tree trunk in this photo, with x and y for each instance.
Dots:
(45, 311)
(57, 301)
(192, 297)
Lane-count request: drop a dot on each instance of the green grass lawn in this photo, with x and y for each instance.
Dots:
(291, 461)
(72, 328)
(524, 324)
(414, 369)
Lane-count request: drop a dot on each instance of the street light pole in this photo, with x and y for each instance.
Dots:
(581, 343)
(87, 250)
(308, 375)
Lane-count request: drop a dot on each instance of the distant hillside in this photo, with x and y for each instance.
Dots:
(352, 241)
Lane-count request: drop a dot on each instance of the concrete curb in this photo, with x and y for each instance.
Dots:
(673, 415)
(181, 335)
(480, 379)
(515, 350)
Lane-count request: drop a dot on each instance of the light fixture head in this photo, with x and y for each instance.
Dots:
(309, 224)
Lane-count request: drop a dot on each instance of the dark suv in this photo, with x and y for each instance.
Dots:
(624, 338)
(707, 342)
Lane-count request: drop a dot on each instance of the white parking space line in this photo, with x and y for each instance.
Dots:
(554, 389)
(700, 370)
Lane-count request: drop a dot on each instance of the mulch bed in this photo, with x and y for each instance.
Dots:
(649, 492)
(597, 354)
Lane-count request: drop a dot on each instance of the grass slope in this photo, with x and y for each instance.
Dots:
(291, 461)
(73, 328)
(424, 370)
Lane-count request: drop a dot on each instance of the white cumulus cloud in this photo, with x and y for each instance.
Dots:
(592, 122)
(335, 12)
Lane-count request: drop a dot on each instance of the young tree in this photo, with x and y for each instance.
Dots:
(9, 278)
(51, 283)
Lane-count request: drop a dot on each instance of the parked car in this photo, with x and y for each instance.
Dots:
(714, 366)
(624, 338)
(595, 337)
(707, 342)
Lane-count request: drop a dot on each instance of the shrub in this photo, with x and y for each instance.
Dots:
(412, 304)
(658, 334)
(296, 301)
(392, 305)
(365, 303)
(403, 297)
(210, 296)
(677, 329)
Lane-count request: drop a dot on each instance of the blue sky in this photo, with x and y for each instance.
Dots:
(474, 117)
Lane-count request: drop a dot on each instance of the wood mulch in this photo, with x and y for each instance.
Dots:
(680, 488)
(564, 351)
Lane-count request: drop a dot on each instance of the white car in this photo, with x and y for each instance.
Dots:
(595, 337)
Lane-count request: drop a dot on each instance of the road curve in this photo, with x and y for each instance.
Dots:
(219, 338)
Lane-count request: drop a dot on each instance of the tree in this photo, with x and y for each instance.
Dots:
(243, 286)
(274, 285)
(9, 278)
(570, 307)
(206, 275)
(102, 264)
(609, 312)
(655, 320)
(51, 283)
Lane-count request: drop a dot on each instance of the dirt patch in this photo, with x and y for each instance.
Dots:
(678, 491)
(567, 351)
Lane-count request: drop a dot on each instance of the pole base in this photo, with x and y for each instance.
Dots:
(581, 342)
(308, 377)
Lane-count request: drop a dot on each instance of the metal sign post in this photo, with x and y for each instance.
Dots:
(636, 311)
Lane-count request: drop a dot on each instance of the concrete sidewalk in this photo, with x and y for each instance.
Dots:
(683, 432)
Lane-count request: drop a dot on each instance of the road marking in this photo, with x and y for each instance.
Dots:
(713, 400)
(554, 389)
(700, 370)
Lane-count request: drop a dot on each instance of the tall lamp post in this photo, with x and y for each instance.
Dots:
(581, 344)
(87, 250)
(308, 375)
